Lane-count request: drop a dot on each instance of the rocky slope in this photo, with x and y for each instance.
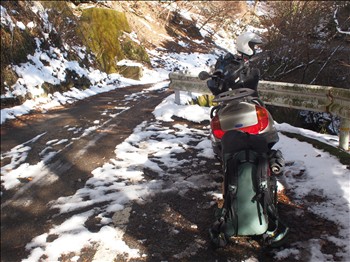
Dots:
(96, 35)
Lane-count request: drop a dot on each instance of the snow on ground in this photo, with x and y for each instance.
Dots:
(122, 180)
(324, 177)
(154, 146)
(51, 66)
(33, 74)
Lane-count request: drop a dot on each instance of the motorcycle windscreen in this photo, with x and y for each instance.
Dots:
(238, 115)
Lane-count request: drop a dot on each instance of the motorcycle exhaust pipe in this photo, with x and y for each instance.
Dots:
(276, 169)
(276, 162)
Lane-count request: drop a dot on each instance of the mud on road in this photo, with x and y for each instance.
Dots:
(172, 225)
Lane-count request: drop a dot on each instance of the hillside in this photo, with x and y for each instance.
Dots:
(50, 47)
(35, 32)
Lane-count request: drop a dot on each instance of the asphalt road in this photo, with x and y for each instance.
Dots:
(172, 226)
(24, 211)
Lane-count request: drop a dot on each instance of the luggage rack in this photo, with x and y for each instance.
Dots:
(233, 94)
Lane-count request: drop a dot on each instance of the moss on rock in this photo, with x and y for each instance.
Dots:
(102, 32)
(133, 72)
(134, 51)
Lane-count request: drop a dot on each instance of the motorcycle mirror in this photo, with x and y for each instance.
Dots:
(203, 75)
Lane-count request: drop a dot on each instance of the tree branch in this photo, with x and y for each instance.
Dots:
(325, 63)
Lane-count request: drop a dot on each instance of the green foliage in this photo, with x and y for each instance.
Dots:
(203, 100)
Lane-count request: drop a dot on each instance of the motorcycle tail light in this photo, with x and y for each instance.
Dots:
(263, 121)
(216, 127)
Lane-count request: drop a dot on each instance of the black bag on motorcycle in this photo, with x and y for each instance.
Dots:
(234, 141)
(246, 184)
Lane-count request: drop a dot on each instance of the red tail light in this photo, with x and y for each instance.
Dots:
(216, 127)
(263, 122)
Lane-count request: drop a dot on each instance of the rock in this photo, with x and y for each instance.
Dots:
(133, 72)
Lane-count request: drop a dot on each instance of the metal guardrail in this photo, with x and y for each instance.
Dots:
(298, 96)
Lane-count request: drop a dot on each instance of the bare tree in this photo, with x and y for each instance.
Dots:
(303, 42)
(218, 12)
(307, 44)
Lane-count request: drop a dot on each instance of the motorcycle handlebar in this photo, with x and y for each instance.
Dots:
(220, 77)
(203, 75)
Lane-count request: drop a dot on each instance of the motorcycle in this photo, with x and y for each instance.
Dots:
(242, 136)
(238, 108)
